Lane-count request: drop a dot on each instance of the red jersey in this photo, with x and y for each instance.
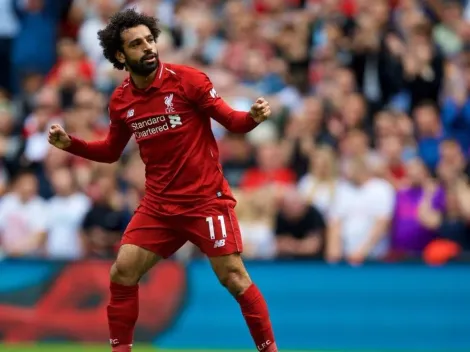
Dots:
(170, 121)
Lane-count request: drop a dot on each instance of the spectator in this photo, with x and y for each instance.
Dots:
(446, 33)
(8, 30)
(383, 82)
(430, 133)
(455, 222)
(236, 158)
(105, 221)
(87, 36)
(45, 113)
(300, 228)
(22, 234)
(255, 211)
(456, 106)
(360, 217)
(320, 185)
(65, 212)
(419, 211)
(391, 150)
(270, 170)
(39, 21)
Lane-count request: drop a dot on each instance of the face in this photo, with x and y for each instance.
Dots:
(293, 205)
(391, 148)
(27, 187)
(357, 171)
(62, 181)
(269, 157)
(451, 153)
(427, 121)
(416, 172)
(357, 143)
(385, 124)
(354, 110)
(322, 162)
(140, 53)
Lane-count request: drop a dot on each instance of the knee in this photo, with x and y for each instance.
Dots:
(124, 274)
(236, 280)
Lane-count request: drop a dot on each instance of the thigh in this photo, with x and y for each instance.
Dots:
(153, 234)
(215, 229)
(132, 263)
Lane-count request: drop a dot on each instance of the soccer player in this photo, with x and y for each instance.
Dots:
(168, 109)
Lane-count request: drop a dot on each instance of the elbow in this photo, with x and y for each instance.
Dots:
(111, 158)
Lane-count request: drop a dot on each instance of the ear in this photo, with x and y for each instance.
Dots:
(120, 57)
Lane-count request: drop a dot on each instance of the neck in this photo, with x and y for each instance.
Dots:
(143, 82)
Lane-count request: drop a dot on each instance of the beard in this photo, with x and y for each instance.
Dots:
(141, 67)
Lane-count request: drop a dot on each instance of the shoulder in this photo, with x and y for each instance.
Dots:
(182, 70)
(8, 200)
(120, 97)
(305, 182)
(119, 94)
(37, 204)
(187, 75)
(381, 186)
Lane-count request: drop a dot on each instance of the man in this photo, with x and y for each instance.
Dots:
(300, 228)
(360, 216)
(168, 108)
(419, 211)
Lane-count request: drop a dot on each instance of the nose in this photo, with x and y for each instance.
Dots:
(147, 47)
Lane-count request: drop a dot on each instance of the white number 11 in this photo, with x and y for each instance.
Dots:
(210, 220)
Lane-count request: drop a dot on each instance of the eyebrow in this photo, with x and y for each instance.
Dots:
(139, 39)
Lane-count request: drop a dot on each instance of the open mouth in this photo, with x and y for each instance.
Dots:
(149, 59)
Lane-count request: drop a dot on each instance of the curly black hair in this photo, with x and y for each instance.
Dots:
(110, 37)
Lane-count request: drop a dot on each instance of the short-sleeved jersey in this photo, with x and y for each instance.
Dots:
(171, 123)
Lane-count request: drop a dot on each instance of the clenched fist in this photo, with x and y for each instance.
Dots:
(260, 110)
(58, 137)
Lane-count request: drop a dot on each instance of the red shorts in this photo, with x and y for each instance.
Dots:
(214, 230)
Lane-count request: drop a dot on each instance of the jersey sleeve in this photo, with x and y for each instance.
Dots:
(200, 91)
(107, 150)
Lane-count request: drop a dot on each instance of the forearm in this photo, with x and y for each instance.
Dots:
(376, 235)
(99, 151)
(429, 218)
(233, 120)
(334, 245)
(310, 245)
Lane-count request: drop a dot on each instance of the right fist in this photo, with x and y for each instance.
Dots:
(58, 137)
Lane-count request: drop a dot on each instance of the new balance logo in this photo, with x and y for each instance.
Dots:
(114, 342)
(130, 113)
(175, 120)
(219, 243)
(213, 93)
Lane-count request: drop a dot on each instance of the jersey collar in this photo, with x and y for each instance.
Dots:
(156, 84)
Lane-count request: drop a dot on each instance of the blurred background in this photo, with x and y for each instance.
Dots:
(352, 194)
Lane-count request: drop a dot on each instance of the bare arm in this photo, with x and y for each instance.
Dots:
(427, 216)
(310, 245)
(334, 246)
(378, 232)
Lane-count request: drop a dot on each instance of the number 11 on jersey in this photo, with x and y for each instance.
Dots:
(210, 221)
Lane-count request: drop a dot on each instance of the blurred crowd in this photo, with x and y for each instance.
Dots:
(365, 157)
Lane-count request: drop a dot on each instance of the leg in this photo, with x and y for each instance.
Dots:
(131, 264)
(144, 243)
(216, 232)
(233, 275)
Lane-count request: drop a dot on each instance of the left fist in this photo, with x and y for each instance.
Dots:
(260, 110)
